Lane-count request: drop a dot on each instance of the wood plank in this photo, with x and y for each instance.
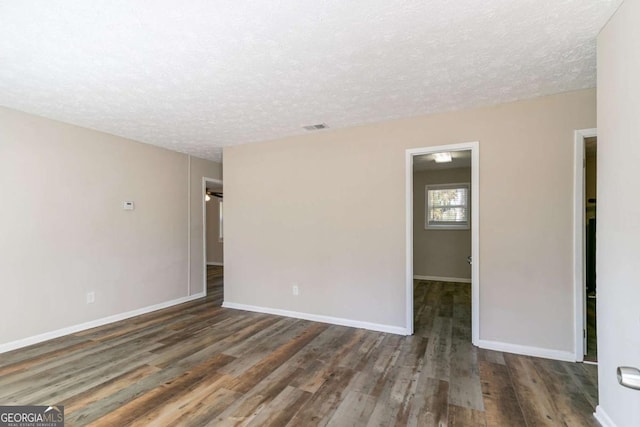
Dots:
(149, 401)
(394, 397)
(491, 356)
(322, 405)
(464, 378)
(438, 353)
(260, 370)
(317, 364)
(246, 407)
(465, 417)
(585, 377)
(371, 378)
(282, 409)
(52, 382)
(104, 389)
(355, 410)
(20, 361)
(533, 396)
(499, 397)
(65, 387)
(431, 408)
(277, 337)
(565, 394)
(199, 404)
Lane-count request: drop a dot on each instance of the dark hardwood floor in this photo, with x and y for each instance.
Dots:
(198, 364)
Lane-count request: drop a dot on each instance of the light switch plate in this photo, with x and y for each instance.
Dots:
(128, 206)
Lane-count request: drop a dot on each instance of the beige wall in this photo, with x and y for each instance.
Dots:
(64, 232)
(618, 212)
(440, 253)
(337, 223)
(214, 245)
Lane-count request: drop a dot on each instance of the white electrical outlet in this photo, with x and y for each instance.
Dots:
(295, 290)
(91, 297)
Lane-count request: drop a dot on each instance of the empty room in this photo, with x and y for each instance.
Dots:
(301, 213)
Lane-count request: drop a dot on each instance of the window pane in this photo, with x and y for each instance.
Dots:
(448, 197)
(452, 214)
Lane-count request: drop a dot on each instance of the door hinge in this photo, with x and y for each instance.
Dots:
(584, 333)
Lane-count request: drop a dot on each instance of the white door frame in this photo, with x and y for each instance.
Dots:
(204, 227)
(475, 230)
(579, 253)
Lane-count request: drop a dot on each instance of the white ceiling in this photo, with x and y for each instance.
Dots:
(197, 75)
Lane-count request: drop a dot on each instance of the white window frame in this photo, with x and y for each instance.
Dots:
(447, 225)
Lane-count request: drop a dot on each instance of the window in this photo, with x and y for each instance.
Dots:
(447, 207)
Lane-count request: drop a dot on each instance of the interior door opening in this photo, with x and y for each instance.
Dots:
(442, 245)
(585, 230)
(442, 204)
(590, 294)
(213, 219)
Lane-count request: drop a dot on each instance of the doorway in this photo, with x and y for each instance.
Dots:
(591, 155)
(213, 220)
(420, 155)
(585, 286)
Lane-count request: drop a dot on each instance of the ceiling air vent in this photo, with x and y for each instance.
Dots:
(315, 127)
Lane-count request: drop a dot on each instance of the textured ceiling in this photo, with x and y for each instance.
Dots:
(197, 75)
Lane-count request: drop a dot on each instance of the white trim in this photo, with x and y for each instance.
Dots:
(442, 279)
(603, 418)
(204, 230)
(408, 188)
(215, 263)
(319, 318)
(24, 342)
(475, 230)
(189, 225)
(526, 350)
(578, 241)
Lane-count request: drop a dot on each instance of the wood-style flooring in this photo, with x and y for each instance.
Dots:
(198, 364)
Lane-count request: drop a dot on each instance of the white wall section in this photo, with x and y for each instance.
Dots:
(618, 214)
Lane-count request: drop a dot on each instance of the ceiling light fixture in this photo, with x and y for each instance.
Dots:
(442, 157)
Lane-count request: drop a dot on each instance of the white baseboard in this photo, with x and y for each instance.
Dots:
(567, 356)
(215, 263)
(319, 318)
(24, 342)
(442, 279)
(603, 418)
